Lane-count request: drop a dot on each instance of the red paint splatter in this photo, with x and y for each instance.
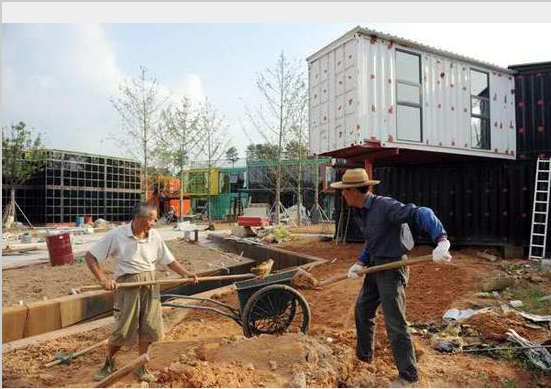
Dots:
(521, 130)
(453, 143)
(390, 138)
(541, 129)
(442, 74)
(372, 76)
(521, 104)
(350, 101)
(373, 109)
(373, 40)
(373, 137)
(391, 110)
(540, 102)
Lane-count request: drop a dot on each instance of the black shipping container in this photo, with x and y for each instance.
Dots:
(479, 203)
(533, 110)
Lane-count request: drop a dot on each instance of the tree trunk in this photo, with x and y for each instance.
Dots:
(12, 202)
(299, 194)
(181, 211)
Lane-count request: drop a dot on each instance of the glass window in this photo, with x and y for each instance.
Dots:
(408, 122)
(479, 84)
(408, 94)
(480, 110)
(407, 67)
(480, 131)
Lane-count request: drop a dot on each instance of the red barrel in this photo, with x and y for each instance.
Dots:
(88, 220)
(59, 247)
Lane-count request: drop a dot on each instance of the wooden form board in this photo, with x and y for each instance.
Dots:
(45, 316)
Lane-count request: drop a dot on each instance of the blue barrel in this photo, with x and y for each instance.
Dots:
(79, 221)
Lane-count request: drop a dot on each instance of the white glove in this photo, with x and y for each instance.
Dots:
(441, 254)
(352, 271)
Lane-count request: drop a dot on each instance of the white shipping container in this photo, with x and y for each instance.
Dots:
(375, 90)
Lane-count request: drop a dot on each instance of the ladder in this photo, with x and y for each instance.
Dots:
(540, 209)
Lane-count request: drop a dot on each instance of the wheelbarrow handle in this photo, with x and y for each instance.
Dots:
(374, 269)
(170, 281)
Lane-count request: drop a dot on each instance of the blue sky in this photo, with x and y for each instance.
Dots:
(58, 78)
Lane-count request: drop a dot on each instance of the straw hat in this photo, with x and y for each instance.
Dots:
(354, 178)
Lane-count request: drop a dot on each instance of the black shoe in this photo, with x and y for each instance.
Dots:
(365, 359)
(409, 378)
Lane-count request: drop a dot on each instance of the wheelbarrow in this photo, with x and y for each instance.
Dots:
(266, 306)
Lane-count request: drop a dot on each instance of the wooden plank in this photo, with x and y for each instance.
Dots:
(13, 322)
(44, 316)
(72, 309)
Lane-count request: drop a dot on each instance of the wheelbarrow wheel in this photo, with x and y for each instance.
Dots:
(275, 310)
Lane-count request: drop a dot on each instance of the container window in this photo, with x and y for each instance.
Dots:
(480, 110)
(409, 123)
(408, 67)
(480, 132)
(408, 97)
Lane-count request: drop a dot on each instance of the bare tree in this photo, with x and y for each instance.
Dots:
(215, 143)
(139, 104)
(178, 140)
(282, 90)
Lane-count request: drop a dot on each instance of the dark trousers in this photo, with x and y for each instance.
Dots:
(386, 288)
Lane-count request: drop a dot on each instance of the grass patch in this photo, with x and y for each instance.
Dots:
(529, 294)
(507, 383)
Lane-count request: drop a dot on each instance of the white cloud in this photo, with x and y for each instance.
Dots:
(59, 79)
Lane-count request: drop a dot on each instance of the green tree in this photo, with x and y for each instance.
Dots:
(23, 155)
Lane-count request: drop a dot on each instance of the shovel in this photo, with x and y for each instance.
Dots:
(170, 281)
(374, 269)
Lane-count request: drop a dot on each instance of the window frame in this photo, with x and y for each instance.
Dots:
(480, 116)
(419, 85)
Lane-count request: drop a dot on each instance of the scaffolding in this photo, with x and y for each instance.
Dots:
(74, 184)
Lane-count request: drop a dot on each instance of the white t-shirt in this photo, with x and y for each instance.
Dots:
(132, 255)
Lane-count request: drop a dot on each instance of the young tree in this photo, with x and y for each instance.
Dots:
(215, 143)
(23, 155)
(139, 104)
(282, 89)
(178, 140)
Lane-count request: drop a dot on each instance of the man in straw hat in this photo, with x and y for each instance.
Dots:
(384, 224)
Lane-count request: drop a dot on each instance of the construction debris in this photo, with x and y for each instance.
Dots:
(539, 356)
(264, 269)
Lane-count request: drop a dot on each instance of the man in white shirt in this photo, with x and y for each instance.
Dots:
(136, 249)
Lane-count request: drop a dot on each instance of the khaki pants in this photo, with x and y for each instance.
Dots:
(137, 311)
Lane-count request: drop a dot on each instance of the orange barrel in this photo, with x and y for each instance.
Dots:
(88, 220)
(60, 249)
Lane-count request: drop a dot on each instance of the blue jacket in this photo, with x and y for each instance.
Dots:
(384, 224)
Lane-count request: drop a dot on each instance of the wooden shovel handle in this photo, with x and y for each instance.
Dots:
(374, 269)
(170, 281)
(126, 369)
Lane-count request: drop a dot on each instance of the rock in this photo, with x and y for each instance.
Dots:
(483, 294)
(144, 384)
(497, 283)
(249, 366)
(535, 278)
(273, 365)
(46, 377)
(330, 339)
(516, 303)
(299, 380)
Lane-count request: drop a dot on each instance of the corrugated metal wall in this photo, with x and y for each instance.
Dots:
(479, 203)
(353, 99)
(533, 110)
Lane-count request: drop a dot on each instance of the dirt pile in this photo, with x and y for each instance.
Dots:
(492, 327)
(266, 361)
